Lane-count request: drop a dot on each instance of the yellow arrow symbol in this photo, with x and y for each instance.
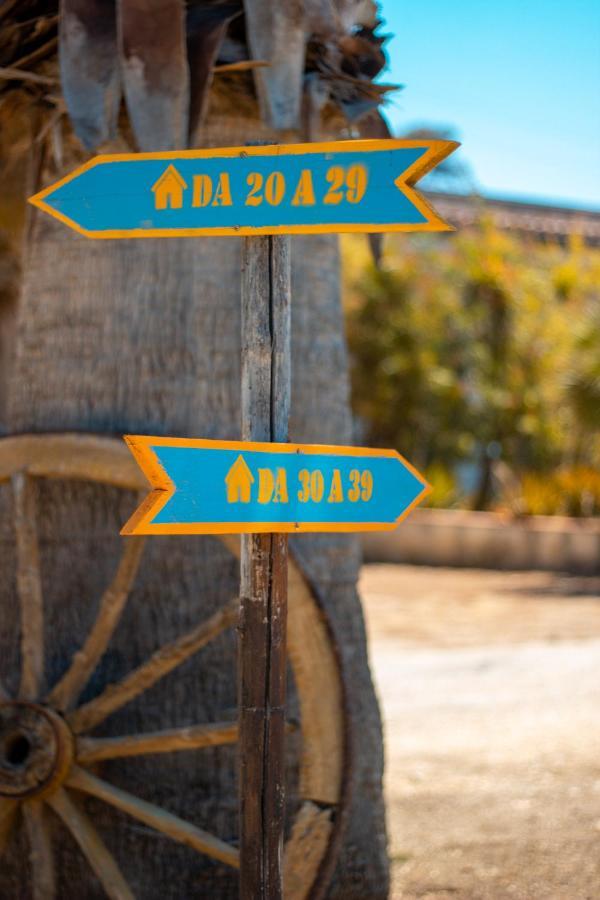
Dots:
(239, 481)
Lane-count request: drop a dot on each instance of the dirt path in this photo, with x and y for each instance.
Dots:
(490, 687)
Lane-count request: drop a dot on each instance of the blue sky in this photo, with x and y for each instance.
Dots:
(518, 81)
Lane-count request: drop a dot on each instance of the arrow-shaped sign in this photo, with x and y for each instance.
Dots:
(294, 188)
(227, 487)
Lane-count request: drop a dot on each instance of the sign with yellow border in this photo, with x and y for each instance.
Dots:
(230, 487)
(340, 186)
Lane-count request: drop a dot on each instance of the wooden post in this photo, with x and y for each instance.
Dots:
(263, 594)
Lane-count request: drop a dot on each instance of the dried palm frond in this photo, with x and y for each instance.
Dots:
(105, 54)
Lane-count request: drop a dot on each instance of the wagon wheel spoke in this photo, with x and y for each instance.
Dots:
(155, 817)
(160, 663)
(8, 811)
(29, 587)
(90, 842)
(66, 692)
(40, 851)
(192, 738)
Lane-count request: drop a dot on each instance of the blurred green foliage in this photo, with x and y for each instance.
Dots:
(479, 352)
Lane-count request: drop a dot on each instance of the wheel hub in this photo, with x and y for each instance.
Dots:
(36, 749)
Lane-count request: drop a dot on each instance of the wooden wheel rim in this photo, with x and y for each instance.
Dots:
(311, 850)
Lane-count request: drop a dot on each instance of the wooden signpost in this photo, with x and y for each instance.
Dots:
(261, 487)
(266, 390)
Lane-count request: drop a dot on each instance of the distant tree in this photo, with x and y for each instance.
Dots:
(478, 347)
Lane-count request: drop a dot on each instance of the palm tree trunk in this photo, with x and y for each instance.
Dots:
(126, 336)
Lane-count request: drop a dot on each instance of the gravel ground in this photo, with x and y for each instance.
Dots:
(490, 689)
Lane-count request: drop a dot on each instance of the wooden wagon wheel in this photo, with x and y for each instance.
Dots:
(45, 755)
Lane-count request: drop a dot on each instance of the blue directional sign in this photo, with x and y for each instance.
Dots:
(297, 188)
(227, 487)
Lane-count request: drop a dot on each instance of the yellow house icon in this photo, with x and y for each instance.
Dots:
(239, 481)
(168, 190)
